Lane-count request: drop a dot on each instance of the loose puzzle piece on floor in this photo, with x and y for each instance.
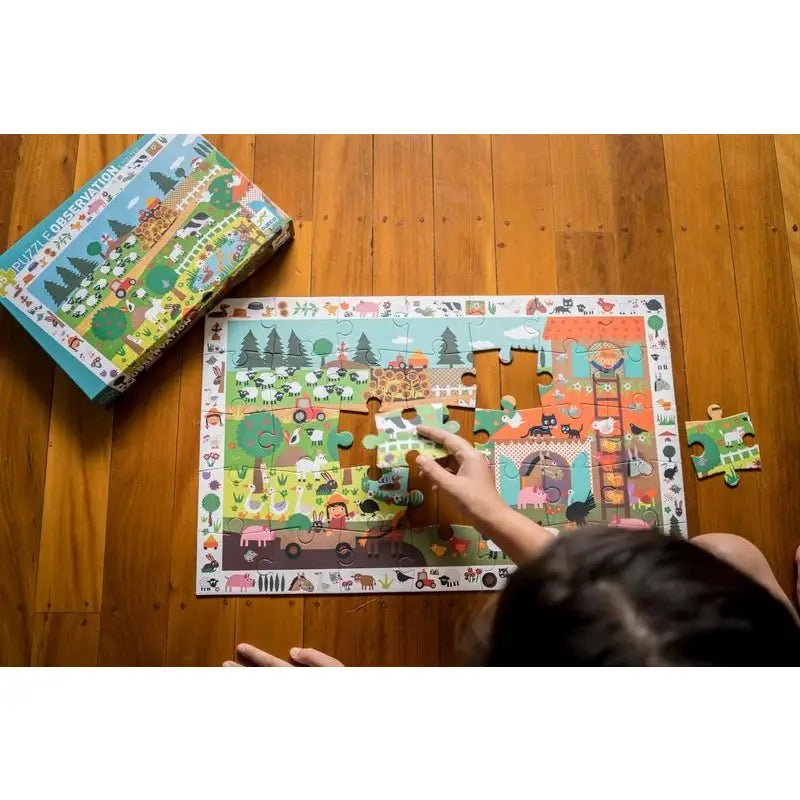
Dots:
(277, 511)
(724, 449)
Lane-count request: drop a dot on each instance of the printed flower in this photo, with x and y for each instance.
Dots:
(577, 386)
(606, 387)
(588, 388)
(628, 437)
(213, 485)
(626, 386)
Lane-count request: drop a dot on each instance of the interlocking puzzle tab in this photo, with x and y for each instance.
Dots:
(279, 511)
(724, 449)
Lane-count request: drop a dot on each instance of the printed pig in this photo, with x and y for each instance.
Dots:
(531, 495)
(364, 307)
(239, 582)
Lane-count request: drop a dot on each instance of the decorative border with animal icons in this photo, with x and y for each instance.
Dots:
(277, 513)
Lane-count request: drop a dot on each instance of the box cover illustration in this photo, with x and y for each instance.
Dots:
(117, 272)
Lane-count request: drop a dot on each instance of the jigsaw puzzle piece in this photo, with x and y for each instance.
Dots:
(724, 449)
(397, 434)
(504, 335)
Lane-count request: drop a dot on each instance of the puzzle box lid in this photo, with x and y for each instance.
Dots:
(119, 270)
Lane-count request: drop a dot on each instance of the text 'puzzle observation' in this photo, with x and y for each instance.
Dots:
(277, 513)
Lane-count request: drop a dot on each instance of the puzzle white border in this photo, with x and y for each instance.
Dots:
(507, 306)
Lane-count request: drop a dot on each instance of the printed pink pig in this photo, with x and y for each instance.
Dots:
(531, 495)
(239, 582)
(363, 307)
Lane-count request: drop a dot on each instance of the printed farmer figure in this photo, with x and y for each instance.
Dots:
(337, 513)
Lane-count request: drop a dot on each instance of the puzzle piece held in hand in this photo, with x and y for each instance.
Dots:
(724, 450)
(397, 436)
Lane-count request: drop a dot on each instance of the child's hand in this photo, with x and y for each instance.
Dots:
(472, 485)
(249, 656)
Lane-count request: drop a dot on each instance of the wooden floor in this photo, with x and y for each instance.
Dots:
(97, 508)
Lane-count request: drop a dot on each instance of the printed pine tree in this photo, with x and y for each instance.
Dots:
(250, 355)
(364, 354)
(83, 266)
(119, 229)
(296, 356)
(164, 182)
(273, 351)
(675, 527)
(69, 278)
(57, 291)
(448, 354)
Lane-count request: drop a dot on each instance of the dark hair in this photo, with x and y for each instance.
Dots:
(636, 598)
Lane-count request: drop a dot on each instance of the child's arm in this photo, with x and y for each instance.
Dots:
(472, 487)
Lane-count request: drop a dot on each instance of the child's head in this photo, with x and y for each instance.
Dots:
(621, 597)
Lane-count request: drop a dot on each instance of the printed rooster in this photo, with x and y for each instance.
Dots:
(605, 305)
(579, 510)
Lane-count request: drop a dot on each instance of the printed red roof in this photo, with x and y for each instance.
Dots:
(588, 330)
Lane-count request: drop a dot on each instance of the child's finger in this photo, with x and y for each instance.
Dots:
(435, 472)
(453, 444)
(258, 657)
(309, 657)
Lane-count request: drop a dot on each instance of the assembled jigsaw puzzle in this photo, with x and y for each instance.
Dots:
(277, 511)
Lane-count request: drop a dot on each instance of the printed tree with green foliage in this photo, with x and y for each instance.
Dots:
(322, 348)
(259, 435)
(57, 291)
(655, 323)
(162, 279)
(164, 182)
(84, 266)
(448, 353)
(210, 505)
(69, 278)
(94, 248)
(675, 527)
(296, 356)
(273, 351)
(364, 354)
(250, 353)
(111, 323)
(221, 194)
(119, 229)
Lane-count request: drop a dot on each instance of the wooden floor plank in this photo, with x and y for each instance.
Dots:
(525, 251)
(358, 630)
(70, 574)
(465, 264)
(43, 179)
(709, 316)
(139, 524)
(283, 166)
(787, 149)
(646, 261)
(65, 640)
(403, 257)
(770, 334)
(584, 216)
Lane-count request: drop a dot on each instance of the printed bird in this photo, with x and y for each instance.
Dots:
(280, 506)
(669, 472)
(460, 546)
(402, 577)
(605, 305)
(295, 437)
(636, 430)
(369, 507)
(512, 420)
(252, 505)
(438, 550)
(579, 510)
(653, 305)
